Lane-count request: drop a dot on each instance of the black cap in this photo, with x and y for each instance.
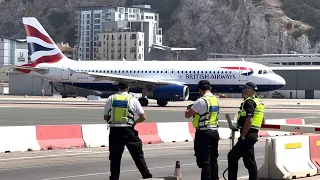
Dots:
(204, 84)
(123, 84)
(251, 85)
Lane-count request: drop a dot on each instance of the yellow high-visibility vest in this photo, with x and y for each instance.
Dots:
(258, 113)
(120, 113)
(210, 118)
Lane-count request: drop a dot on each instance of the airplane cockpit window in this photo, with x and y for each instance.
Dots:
(270, 71)
(265, 72)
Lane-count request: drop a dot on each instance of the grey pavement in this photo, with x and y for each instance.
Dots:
(93, 163)
(39, 115)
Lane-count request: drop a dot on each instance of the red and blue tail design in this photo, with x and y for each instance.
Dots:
(41, 47)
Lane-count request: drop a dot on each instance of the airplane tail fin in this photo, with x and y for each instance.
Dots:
(41, 47)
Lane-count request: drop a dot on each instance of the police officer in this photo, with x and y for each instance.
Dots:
(250, 119)
(119, 113)
(205, 111)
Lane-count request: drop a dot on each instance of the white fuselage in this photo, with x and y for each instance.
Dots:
(186, 72)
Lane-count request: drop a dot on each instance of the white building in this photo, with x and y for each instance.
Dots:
(116, 46)
(13, 51)
(115, 21)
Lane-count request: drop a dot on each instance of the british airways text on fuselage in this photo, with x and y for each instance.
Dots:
(210, 76)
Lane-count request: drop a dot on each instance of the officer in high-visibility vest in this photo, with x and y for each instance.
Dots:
(119, 113)
(250, 119)
(205, 111)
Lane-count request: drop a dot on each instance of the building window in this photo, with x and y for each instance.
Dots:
(134, 56)
(139, 57)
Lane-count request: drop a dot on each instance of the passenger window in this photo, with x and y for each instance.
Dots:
(265, 72)
(260, 72)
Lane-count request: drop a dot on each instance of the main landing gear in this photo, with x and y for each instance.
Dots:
(145, 102)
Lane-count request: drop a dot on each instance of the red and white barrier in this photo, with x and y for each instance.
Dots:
(18, 138)
(291, 157)
(24, 138)
(59, 137)
(315, 150)
(148, 133)
(174, 132)
(95, 135)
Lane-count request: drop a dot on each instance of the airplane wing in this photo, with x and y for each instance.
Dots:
(38, 70)
(129, 79)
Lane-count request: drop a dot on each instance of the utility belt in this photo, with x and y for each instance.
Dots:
(129, 124)
(208, 127)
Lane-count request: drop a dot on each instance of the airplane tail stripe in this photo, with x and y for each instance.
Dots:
(49, 59)
(34, 47)
(33, 32)
(39, 54)
(40, 42)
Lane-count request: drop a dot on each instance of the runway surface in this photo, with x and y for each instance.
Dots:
(46, 114)
(93, 163)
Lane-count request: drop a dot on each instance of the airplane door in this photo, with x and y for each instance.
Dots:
(65, 73)
(243, 75)
(172, 73)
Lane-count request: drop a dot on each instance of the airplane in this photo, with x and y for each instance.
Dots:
(163, 81)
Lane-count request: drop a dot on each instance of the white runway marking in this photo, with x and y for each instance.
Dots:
(93, 152)
(132, 170)
(86, 153)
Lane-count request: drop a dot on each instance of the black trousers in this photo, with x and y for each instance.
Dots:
(126, 136)
(244, 149)
(206, 152)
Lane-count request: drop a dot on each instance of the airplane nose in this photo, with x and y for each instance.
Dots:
(281, 81)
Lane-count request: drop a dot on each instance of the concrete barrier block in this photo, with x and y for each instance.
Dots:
(290, 158)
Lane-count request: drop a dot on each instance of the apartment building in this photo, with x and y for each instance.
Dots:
(121, 45)
(113, 33)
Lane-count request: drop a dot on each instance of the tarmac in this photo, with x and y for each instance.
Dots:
(21, 112)
(93, 163)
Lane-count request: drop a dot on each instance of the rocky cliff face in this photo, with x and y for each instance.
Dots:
(236, 26)
(220, 26)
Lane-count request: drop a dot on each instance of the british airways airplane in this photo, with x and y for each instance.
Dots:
(163, 81)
